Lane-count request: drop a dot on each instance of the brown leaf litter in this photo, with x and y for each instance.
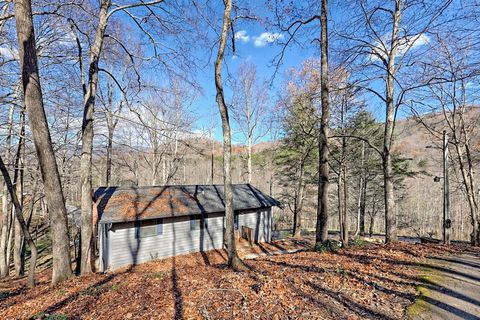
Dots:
(362, 282)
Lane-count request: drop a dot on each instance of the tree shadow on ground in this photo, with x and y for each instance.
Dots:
(177, 294)
(457, 261)
(361, 310)
(323, 296)
(428, 284)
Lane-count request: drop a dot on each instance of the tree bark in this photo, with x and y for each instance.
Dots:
(248, 97)
(111, 124)
(372, 222)
(363, 204)
(465, 166)
(18, 248)
(234, 260)
(390, 216)
(10, 237)
(108, 171)
(360, 229)
(42, 140)
(5, 232)
(212, 163)
(249, 159)
(473, 200)
(321, 233)
(340, 205)
(297, 226)
(87, 142)
(346, 222)
(6, 214)
(21, 221)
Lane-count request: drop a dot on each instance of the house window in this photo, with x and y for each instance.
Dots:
(149, 228)
(236, 221)
(196, 221)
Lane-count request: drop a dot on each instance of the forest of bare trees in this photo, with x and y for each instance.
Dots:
(155, 93)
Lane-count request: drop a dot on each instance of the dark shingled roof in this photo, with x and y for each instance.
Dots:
(118, 204)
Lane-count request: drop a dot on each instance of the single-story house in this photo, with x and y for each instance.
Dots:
(138, 224)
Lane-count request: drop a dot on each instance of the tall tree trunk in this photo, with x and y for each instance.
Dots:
(11, 231)
(18, 248)
(343, 186)
(346, 222)
(359, 204)
(390, 217)
(212, 164)
(363, 205)
(321, 233)
(474, 212)
(22, 224)
(87, 142)
(372, 216)
(358, 229)
(164, 169)
(340, 204)
(41, 137)
(111, 123)
(233, 259)
(249, 158)
(6, 214)
(297, 227)
(5, 232)
(108, 171)
(372, 222)
(472, 205)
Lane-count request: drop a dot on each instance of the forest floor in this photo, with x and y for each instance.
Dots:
(368, 281)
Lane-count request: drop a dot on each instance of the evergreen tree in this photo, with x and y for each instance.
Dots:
(296, 158)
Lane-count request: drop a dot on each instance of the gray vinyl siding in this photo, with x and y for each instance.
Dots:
(176, 239)
(260, 221)
(120, 246)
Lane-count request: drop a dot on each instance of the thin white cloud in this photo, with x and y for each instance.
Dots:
(8, 53)
(405, 44)
(412, 42)
(242, 36)
(266, 37)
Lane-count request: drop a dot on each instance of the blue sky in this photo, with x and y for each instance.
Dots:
(257, 45)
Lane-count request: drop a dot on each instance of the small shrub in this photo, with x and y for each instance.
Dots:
(326, 246)
(93, 291)
(358, 242)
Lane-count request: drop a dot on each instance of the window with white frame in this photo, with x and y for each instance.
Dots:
(149, 228)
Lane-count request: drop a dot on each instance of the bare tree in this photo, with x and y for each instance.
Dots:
(321, 233)
(21, 222)
(160, 124)
(296, 158)
(112, 122)
(453, 61)
(18, 182)
(6, 216)
(234, 260)
(90, 92)
(249, 108)
(41, 136)
(386, 39)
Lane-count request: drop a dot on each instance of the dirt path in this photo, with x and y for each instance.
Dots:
(451, 289)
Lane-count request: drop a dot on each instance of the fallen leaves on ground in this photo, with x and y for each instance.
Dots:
(372, 281)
